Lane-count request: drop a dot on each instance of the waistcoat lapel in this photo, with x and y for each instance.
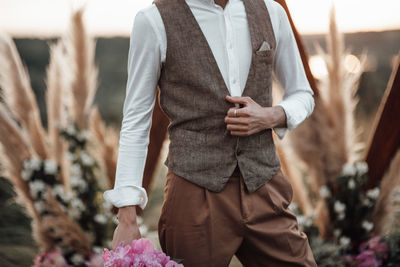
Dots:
(260, 29)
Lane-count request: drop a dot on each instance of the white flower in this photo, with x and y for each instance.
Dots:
(100, 218)
(373, 193)
(39, 206)
(367, 225)
(77, 259)
(68, 196)
(301, 219)
(83, 135)
(26, 174)
(76, 203)
(115, 219)
(344, 241)
(348, 170)
(139, 219)
(35, 187)
(32, 164)
(324, 191)
(76, 170)
(74, 213)
(26, 164)
(86, 159)
(70, 156)
(79, 183)
(143, 229)
(337, 232)
(35, 163)
(293, 207)
(362, 167)
(50, 167)
(366, 202)
(76, 178)
(308, 222)
(107, 205)
(58, 190)
(339, 207)
(71, 129)
(97, 250)
(351, 183)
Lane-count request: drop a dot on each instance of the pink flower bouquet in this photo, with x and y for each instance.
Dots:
(140, 253)
(50, 259)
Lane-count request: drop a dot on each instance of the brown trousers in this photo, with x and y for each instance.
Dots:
(206, 228)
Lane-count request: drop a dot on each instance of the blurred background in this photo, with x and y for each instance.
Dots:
(367, 25)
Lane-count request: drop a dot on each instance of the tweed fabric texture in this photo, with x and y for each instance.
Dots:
(192, 95)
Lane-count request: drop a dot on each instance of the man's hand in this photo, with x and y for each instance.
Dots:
(127, 228)
(252, 118)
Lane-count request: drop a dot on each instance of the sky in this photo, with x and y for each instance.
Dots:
(46, 18)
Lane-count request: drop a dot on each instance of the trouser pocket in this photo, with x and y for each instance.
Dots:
(279, 191)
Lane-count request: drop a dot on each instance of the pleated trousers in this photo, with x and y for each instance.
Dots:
(206, 228)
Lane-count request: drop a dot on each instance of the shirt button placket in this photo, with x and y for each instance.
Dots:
(231, 58)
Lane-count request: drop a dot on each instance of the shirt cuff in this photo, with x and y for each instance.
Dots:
(126, 196)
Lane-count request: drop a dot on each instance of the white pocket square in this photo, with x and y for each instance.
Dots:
(264, 46)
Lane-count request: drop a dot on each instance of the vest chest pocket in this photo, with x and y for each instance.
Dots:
(265, 56)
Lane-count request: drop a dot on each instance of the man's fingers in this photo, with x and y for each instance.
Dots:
(237, 127)
(238, 120)
(240, 112)
(231, 112)
(238, 99)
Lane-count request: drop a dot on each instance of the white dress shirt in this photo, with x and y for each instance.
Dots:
(227, 33)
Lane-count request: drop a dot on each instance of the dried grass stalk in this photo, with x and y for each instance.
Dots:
(387, 210)
(322, 220)
(56, 117)
(58, 230)
(15, 150)
(310, 142)
(46, 229)
(18, 94)
(328, 139)
(106, 144)
(289, 161)
(300, 194)
(331, 129)
(81, 51)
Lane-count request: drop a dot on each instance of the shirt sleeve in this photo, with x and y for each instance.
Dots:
(298, 101)
(143, 72)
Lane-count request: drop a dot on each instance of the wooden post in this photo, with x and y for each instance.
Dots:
(385, 138)
(302, 50)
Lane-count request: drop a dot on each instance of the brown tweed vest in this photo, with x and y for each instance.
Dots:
(192, 95)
